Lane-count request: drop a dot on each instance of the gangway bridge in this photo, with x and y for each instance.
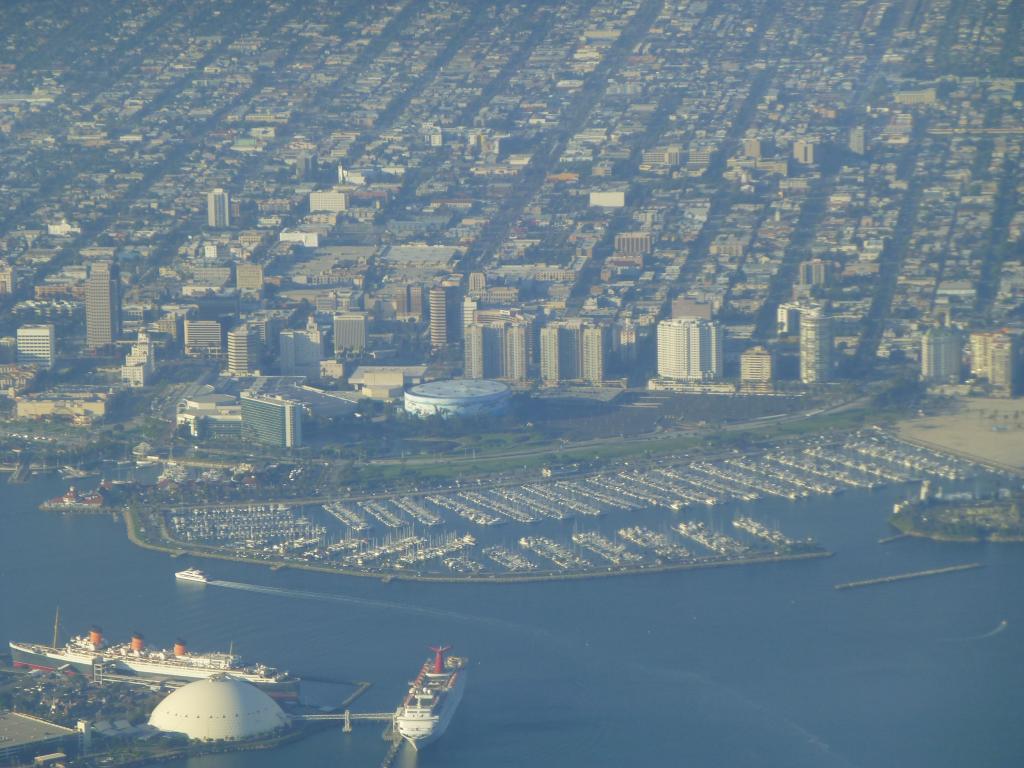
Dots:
(347, 718)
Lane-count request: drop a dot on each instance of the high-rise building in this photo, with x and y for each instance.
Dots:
(7, 279)
(626, 342)
(445, 314)
(243, 351)
(815, 346)
(483, 351)
(218, 209)
(995, 356)
(37, 345)
(438, 298)
(560, 352)
(803, 151)
(756, 366)
(477, 283)
(496, 350)
(349, 332)
(1004, 365)
(690, 349)
(248, 277)
(788, 319)
(102, 305)
(594, 345)
(857, 142)
(271, 420)
(140, 363)
(469, 306)
(815, 272)
(516, 350)
(940, 356)
(752, 148)
(204, 337)
(302, 351)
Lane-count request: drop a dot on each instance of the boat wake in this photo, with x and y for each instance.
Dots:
(1000, 627)
(331, 597)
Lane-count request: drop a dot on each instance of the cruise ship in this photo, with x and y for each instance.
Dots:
(89, 654)
(433, 696)
(191, 574)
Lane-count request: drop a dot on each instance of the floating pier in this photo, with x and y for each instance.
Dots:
(906, 576)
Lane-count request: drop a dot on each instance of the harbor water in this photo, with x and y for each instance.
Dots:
(759, 665)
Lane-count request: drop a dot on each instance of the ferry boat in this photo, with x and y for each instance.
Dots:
(90, 655)
(433, 696)
(191, 574)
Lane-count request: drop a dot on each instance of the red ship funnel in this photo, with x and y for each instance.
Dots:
(137, 642)
(179, 647)
(96, 636)
(439, 658)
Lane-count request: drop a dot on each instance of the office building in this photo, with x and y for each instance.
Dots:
(271, 420)
(140, 363)
(815, 346)
(218, 209)
(690, 349)
(752, 148)
(243, 351)
(330, 200)
(37, 345)
(102, 305)
(204, 337)
(634, 243)
(940, 356)
(302, 351)
(248, 277)
(350, 332)
(756, 366)
(445, 314)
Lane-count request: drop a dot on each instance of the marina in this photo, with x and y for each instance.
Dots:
(675, 510)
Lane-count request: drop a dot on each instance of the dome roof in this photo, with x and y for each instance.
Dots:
(219, 707)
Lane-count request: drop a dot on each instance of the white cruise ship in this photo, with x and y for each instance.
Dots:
(433, 696)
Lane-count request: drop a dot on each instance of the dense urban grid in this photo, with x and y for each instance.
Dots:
(512, 290)
(311, 232)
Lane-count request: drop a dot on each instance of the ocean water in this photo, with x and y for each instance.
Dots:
(763, 665)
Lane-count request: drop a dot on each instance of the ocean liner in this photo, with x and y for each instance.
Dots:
(91, 655)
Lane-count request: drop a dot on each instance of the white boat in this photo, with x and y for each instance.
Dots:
(191, 574)
(433, 696)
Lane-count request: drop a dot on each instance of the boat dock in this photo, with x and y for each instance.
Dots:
(906, 576)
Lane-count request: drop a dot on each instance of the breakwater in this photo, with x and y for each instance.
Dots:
(907, 576)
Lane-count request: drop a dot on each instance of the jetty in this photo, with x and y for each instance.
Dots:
(906, 576)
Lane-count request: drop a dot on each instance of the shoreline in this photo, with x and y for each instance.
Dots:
(493, 578)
